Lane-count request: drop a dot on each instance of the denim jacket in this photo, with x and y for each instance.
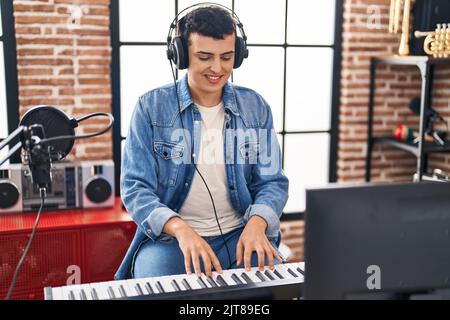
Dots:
(157, 169)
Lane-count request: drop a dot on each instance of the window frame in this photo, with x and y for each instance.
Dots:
(335, 95)
(8, 38)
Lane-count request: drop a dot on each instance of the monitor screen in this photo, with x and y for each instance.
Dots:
(377, 241)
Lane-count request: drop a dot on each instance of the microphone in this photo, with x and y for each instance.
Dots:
(47, 134)
(45, 122)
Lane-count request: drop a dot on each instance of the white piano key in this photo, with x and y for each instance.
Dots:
(178, 279)
(282, 270)
(132, 287)
(192, 280)
(165, 282)
(57, 293)
(252, 274)
(215, 276)
(226, 275)
(205, 280)
(88, 289)
(291, 269)
(129, 288)
(77, 290)
(294, 267)
(114, 285)
(121, 287)
(151, 282)
(101, 289)
(66, 293)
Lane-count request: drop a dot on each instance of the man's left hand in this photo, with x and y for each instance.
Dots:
(254, 238)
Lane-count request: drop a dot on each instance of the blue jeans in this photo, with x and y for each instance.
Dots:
(164, 257)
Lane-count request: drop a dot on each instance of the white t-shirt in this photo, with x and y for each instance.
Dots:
(197, 210)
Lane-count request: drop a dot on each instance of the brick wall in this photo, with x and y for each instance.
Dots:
(63, 57)
(395, 87)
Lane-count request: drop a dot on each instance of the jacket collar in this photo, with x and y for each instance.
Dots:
(228, 96)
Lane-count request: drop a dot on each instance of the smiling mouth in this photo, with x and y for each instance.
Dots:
(213, 79)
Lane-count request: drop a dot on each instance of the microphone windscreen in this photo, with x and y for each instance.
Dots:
(55, 123)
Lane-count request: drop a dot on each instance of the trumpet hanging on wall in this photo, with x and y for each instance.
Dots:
(394, 23)
(437, 42)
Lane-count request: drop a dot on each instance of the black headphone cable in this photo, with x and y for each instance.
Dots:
(195, 166)
(42, 192)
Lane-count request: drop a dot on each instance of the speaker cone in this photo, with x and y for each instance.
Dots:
(98, 190)
(9, 195)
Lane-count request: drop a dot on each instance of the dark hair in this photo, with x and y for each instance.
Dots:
(210, 21)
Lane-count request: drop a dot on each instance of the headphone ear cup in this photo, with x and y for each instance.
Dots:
(240, 52)
(180, 54)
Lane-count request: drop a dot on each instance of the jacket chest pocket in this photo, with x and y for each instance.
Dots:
(169, 157)
(249, 152)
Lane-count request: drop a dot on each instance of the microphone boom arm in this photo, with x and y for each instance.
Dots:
(16, 133)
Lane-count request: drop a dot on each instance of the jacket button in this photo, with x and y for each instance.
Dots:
(232, 188)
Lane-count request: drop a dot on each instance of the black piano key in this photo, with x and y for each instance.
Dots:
(301, 271)
(149, 288)
(202, 283)
(246, 277)
(111, 293)
(260, 276)
(293, 273)
(236, 279)
(122, 291)
(212, 282)
(138, 289)
(278, 274)
(160, 287)
(83, 295)
(269, 275)
(94, 294)
(186, 284)
(71, 295)
(175, 285)
(221, 281)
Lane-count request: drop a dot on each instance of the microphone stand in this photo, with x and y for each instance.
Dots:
(18, 132)
(37, 156)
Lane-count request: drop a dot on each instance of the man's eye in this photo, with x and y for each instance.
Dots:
(226, 58)
(204, 58)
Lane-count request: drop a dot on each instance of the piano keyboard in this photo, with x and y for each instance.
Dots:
(289, 275)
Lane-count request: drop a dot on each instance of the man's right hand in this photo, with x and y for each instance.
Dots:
(193, 247)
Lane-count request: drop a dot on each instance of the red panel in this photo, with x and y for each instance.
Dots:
(96, 240)
(27, 295)
(104, 249)
(46, 263)
(64, 219)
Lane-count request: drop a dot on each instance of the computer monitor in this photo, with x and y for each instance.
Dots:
(377, 241)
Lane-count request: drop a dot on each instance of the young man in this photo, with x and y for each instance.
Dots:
(227, 132)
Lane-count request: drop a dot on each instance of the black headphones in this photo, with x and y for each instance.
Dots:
(177, 49)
